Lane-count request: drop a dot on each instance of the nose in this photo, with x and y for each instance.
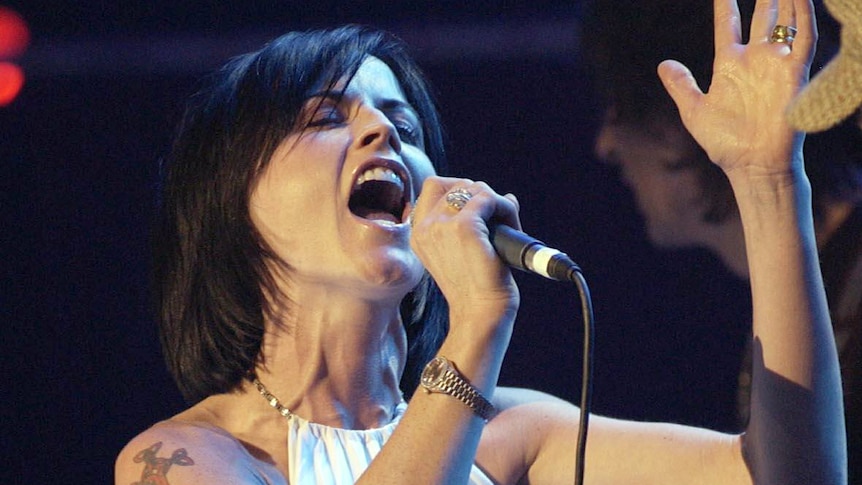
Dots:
(603, 147)
(606, 138)
(376, 128)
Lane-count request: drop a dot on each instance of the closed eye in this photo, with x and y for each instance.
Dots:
(328, 110)
(408, 132)
(324, 113)
(322, 109)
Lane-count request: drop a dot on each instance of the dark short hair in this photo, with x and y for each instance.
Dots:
(211, 268)
(623, 43)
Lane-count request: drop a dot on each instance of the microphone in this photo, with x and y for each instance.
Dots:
(527, 253)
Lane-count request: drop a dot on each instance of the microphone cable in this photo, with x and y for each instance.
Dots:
(577, 277)
(526, 253)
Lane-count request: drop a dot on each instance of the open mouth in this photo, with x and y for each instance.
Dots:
(378, 195)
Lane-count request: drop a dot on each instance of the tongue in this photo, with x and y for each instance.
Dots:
(375, 215)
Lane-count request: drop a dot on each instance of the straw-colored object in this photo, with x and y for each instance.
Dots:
(836, 91)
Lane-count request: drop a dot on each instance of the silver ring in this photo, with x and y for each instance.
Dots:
(458, 198)
(782, 34)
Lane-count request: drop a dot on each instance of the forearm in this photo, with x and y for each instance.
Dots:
(796, 432)
(436, 442)
(436, 446)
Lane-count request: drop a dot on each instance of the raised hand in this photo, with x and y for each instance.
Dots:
(740, 120)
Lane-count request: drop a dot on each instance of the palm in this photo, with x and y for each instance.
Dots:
(740, 120)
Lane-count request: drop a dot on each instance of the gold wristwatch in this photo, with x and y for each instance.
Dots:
(442, 377)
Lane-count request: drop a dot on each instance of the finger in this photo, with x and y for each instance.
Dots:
(420, 206)
(681, 86)
(435, 188)
(785, 13)
(763, 20)
(411, 216)
(785, 16)
(433, 193)
(514, 200)
(483, 206)
(515, 210)
(491, 206)
(459, 195)
(728, 26)
(806, 34)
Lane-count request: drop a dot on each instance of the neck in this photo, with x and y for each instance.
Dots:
(337, 362)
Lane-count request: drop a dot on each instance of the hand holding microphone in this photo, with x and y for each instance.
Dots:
(519, 250)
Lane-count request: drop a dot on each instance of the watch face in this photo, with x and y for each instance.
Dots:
(433, 372)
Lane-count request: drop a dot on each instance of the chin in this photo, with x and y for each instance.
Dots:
(401, 272)
(667, 239)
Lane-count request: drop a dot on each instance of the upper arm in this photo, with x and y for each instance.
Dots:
(546, 429)
(157, 453)
(181, 454)
(657, 453)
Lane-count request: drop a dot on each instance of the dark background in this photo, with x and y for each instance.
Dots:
(79, 150)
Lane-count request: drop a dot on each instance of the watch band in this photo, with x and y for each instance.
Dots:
(441, 376)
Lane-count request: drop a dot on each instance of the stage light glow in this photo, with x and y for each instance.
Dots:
(11, 82)
(14, 34)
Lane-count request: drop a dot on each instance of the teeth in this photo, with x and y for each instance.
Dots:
(381, 174)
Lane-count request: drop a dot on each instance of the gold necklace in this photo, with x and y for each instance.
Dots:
(271, 399)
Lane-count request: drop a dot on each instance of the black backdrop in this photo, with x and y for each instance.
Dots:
(79, 148)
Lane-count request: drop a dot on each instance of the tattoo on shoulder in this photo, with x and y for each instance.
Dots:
(156, 469)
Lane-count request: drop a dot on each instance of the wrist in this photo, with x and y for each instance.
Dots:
(484, 322)
(443, 377)
(478, 362)
(764, 188)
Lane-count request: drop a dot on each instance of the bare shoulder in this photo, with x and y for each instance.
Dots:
(177, 453)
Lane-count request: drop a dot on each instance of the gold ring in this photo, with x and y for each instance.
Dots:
(782, 34)
(458, 198)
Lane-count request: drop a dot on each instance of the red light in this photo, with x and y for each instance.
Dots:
(11, 82)
(14, 34)
(14, 39)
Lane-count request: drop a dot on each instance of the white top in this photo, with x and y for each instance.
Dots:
(321, 455)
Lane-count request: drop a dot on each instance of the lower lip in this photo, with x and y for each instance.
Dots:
(383, 223)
